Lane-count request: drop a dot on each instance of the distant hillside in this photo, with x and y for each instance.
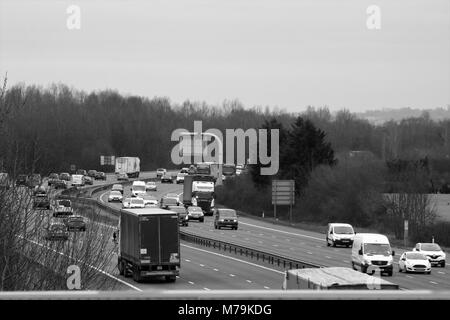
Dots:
(383, 115)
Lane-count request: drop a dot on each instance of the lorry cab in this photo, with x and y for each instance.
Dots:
(371, 252)
(340, 234)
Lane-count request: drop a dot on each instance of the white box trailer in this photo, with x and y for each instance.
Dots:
(131, 166)
(334, 278)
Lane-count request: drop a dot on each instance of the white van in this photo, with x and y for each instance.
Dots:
(77, 180)
(340, 233)
(138, 188)
(372, 251)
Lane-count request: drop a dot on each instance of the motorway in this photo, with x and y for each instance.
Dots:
(303, 245)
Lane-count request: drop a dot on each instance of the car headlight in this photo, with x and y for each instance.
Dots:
(212, 203)
(366, 261)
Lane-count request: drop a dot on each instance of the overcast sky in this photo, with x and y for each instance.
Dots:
(289, 54)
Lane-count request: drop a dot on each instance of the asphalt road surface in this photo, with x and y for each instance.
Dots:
(303, 245)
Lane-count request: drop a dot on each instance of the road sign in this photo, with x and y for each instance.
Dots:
(107, 160)
(73, 168)
(283, 192)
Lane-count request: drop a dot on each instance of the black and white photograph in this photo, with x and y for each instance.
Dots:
(224, 156)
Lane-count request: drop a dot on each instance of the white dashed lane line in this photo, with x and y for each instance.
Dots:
(216, 269)
(187, 260)
(309, 252)
(231, 275)
(328, 257)
(433, 282)
(202, 265)
(266, 287)
(190, 282)
(346, 261)
(440, 272)
(206, 289)
(249, 281)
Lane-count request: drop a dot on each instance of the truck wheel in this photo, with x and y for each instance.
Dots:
(201, 220)
(137, 274)
(120, 267)
(334, 243)
(353, 265)
(171, 278)
(328, 244)
(443, 264)
(125, 270)
(363, 269)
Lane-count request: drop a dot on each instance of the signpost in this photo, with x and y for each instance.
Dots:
(283, 193)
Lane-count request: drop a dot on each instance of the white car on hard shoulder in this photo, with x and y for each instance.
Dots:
(413, 261)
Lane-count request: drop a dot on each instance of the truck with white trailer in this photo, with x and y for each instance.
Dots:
(131, 166)
(149, 244)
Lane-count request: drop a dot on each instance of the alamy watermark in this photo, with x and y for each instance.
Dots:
(208, 147)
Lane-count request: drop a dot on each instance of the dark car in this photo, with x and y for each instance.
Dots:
(34, 180)
(82, 172)
(39, 190)
(60, 184)
(22, 180)
(183, 218)
(100, 175)
(41, 201)
(166, 178)
(88, 180)
(117, 187)
(166, 202)
(195, 213)
(52, 178)
(75, 223)
(57, 231)
(92, 173)
(64, 176)
(225, 218)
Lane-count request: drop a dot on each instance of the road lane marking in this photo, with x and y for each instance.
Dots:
(202, 265)
(216, 269)
(266, 287)
(411, 277)
(346, 261)
(231, 275)
(309, 252)
(206, 289)
(275, 245)
(234, 259)
(440, 272)
(328, 257)
(433, 282)
(190, 282)
(249, 281)
(187, 260)
(281, 231)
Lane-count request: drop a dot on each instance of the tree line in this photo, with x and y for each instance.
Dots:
(48, 129)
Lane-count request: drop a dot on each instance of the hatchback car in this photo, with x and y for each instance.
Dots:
(167, 201)
(115, 196)
(76, 223)
(64, 176)
(88, 180)
(225, 218)
(56, 231)
(183, 219)
(117, 187)
(413, 261)
(166, 178)
(100, 175)
(195, 213)
(92, 173)
(433, 251)
(151, 186)
(122, 176)
(149, 201)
